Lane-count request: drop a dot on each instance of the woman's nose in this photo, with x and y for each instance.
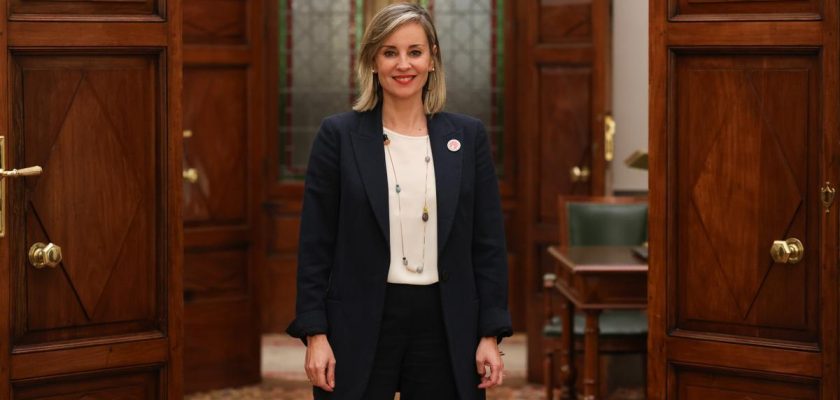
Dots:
(403, 64)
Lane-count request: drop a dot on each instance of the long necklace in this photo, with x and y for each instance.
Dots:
(424, 217)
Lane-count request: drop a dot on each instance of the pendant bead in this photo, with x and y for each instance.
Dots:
(428, 159)
(405, 261)
(399, 189)
(425, 214)
(420, 269)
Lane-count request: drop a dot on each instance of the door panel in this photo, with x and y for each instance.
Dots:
(758, 151)
(745, 9)
(143, 384)
(218, 149)
(567, 130)
(698, 384)
(88, 135)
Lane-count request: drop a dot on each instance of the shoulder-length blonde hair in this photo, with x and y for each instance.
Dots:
(383, 24)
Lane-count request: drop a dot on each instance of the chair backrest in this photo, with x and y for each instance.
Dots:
(603, 221)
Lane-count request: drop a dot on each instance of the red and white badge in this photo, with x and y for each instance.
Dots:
(453, 145)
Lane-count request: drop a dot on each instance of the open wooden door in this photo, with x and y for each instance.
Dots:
(91, 94)
(743, 143)
(562, 102)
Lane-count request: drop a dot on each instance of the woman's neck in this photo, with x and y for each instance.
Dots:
(407, 117)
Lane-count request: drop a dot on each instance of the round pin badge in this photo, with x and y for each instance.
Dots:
(453, 145)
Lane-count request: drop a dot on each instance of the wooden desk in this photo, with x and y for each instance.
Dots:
(593, 279)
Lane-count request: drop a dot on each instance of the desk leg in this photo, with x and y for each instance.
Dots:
(590, 357)
(567, 351)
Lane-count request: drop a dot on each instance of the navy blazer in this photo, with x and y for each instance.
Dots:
(345, 254)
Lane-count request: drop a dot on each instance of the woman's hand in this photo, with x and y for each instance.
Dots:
(320, 362)
(488, 355)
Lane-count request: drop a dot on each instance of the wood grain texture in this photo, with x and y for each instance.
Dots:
(86, 134)
(216, 114)
(742, 133)
(752, 10)
(94, 97)
(125, 384)
(215, 22)
(744, 169)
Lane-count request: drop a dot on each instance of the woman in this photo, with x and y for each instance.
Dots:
(402, 273)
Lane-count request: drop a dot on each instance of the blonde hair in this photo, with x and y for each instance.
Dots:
(383, 24)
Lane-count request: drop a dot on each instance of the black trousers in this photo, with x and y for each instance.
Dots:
(412, 355)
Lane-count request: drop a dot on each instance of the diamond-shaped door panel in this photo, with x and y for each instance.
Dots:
(738, 169)
(90, 225)
(746, 172)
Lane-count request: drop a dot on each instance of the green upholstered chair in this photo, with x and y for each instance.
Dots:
(596, 221)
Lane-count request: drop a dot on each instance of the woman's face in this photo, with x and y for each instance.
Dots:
(403, 63)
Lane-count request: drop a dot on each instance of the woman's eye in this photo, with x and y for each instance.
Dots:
(389, 53)
(416, 53)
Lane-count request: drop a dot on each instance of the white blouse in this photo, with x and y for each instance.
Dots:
(409, 154)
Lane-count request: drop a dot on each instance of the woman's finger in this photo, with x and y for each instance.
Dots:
(331, 374)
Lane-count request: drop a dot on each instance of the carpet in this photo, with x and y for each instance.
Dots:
(284, 379)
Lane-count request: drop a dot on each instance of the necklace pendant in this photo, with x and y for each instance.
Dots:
(428, 159)
(385, 139)
(420, 269)
(425, 214)
(405, 261)
(398, 188)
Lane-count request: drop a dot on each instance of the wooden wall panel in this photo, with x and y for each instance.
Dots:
(135, 385)
(751, 151)
(107, 236)
(215, 22)
(565, 22)
(39, 10)
(704, 384)
(715, 10)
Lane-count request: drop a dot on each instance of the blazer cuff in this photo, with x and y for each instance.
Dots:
(308, 324)
(495, 322)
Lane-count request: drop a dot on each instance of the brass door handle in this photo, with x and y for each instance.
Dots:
(579, 174)
(44, 255)
(609, 138)
(190, 175)
(787, 251)
(28, 171)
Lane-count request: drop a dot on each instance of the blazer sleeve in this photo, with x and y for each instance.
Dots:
(488, 251)
(318, 226)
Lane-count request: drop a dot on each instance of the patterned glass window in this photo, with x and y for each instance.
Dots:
(471, 37)
(318, 40)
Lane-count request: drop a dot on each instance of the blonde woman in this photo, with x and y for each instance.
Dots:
(402, 268)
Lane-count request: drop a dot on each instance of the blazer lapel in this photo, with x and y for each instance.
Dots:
(370, 158)
(448, 166)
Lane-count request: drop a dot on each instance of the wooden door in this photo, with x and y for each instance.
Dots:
(743, 137)
(224, 123)
(91, 95)
(562, 62)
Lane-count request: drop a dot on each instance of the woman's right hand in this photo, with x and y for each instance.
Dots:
(320, 362)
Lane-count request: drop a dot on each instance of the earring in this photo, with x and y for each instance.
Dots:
(373, 70)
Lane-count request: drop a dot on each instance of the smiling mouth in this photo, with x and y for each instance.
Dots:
(404, 78)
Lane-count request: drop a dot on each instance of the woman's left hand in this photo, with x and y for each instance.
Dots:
(488, 355)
